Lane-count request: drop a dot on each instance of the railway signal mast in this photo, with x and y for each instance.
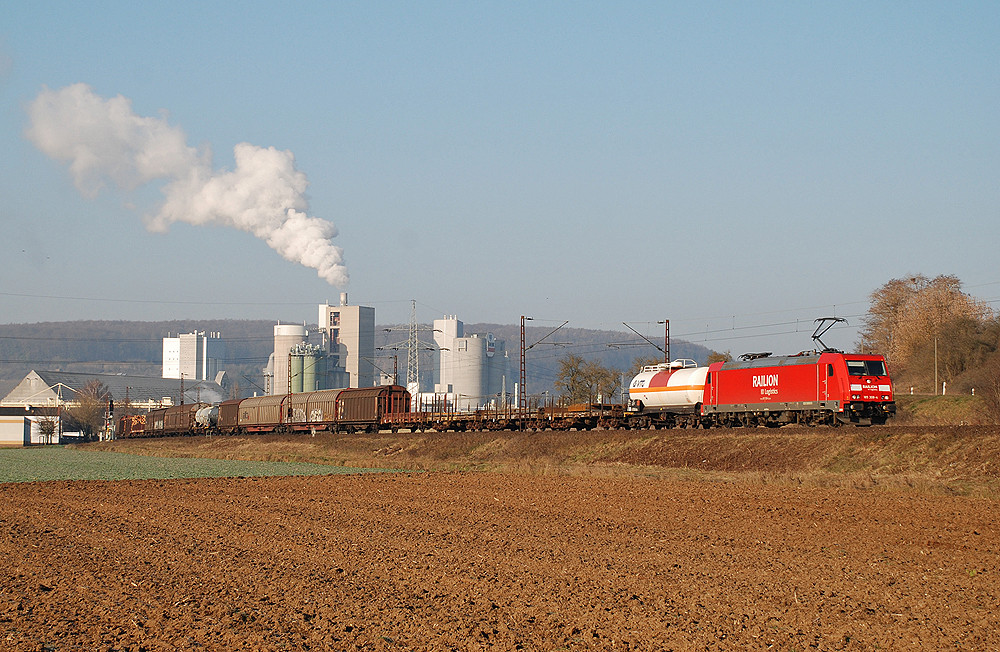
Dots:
(522, 397)
(665, 349)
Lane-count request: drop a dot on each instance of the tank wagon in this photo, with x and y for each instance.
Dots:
(668, 394)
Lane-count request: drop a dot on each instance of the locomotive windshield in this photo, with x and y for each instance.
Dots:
(866, 368)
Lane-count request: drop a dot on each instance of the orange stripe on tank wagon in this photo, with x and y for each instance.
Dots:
(678, 388)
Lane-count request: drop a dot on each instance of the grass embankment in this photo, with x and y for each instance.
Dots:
(965, 409)
(931, 459)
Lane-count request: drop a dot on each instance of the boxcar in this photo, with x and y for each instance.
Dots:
(261, 413)
(131, 425)
(229, 415)
(365, 407)
(154, 423)
(312, 409)
(180, 419)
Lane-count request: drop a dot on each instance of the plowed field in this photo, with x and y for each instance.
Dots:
(491, 561)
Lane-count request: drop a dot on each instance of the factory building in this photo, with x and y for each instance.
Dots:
(297, 366)
(310, 369)
(473, 369)
(194, 356)
(349, 340)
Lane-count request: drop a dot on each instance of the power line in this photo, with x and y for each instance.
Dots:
(122, 340)
(158, 301)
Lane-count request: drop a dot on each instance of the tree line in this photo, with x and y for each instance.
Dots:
(936, 338)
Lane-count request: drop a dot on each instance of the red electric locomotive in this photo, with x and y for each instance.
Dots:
(811, 387)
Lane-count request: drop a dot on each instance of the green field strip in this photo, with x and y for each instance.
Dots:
(59, 463)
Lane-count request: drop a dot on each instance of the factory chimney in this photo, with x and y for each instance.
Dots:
(343, 298)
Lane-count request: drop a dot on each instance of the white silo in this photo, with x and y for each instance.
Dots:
(469, 367)
(472, 368)
(286, 336)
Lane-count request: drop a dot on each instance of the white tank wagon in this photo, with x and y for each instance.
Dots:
(677, 387)
(207, 417)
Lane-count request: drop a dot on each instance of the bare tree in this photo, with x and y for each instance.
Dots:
(963, 346)
(582, 381)
(92, 405)
(908, 313)
(48, 427)
(888, 307)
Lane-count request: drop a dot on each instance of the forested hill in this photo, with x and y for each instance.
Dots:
(612, 349)
(125, 347)
(136, 348)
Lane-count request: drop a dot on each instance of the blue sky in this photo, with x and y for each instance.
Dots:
(739, 168)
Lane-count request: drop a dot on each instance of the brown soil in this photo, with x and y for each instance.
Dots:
(475, 561)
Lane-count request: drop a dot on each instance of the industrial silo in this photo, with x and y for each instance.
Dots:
(286, 337)
(308, 370)
(321, 368)
(296, 360)
(468, 372)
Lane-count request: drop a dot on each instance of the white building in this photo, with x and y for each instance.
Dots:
(193, 356)
(24, 426)
(473, 369)
(349, 340)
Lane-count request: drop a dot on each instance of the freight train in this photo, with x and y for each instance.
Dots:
(810, 388)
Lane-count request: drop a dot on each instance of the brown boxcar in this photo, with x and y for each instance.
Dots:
(261, 413)
(229, 416)
(131, 425)
(179, 419)
(154, 423)
(365, 406)
(312, 408)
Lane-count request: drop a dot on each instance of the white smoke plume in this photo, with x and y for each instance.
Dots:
(105, 142)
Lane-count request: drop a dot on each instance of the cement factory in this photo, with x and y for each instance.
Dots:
(470, 371)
